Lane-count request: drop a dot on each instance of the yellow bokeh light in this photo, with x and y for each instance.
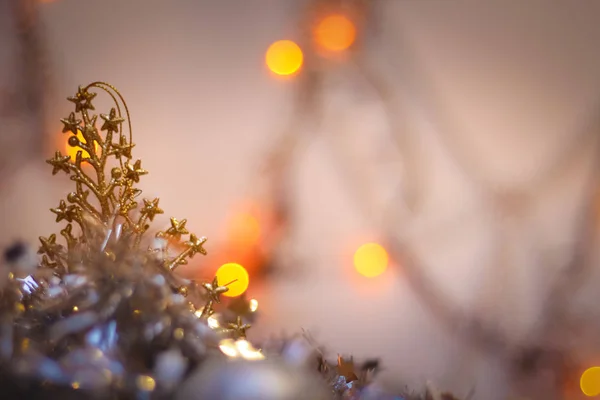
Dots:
(72, 151)
(335, 33)
(235, 277)
(590, 382)
(371, 260)
(284, 57)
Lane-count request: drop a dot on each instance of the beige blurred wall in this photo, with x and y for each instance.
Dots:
(516, 82)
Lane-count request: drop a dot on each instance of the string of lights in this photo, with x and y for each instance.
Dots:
(372, 259)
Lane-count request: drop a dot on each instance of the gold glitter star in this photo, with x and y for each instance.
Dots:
(83, 100)
(213, 290)
(111, 121)
(177, 228)
(49, 246)
(65, 212)
(59, 163)
(238, 328)
(134, 171)
(71, 124)
(122, 148)
(195, 245)
(151, 209)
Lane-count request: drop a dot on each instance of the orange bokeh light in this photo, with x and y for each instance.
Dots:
(284, 57)
(244, 229)
(371, 260)
(335, 33)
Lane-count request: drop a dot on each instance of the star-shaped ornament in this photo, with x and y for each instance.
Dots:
(49, 246)
(134, 171)
(122, 149)
(82, 99)
(111, 121)
(177, 228)
(195, 245)
(59, 163)
(71, 124)
(214, 291)
(151, 209)
(68, 213)
(239, 328)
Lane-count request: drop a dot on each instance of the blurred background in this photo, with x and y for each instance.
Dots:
(408, 180)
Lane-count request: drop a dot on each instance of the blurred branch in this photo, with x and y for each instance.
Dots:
(26, 102)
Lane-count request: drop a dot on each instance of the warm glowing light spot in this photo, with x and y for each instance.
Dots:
(590, 382)
(72, 151)
(335, 33)
(213, 322)
(284, 57)
(253, 305)
(235, 277)
(240, 348)
(146, 383)
(244, 230)
(228, 347)
(371, 260)
(247, 351)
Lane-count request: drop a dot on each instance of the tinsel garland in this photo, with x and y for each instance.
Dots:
(106, 317)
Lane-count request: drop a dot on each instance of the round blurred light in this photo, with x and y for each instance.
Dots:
(371, 260)
(590, 382)
(235, 277)
(284, 57)
(335, 33)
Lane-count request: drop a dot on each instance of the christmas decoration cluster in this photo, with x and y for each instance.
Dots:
(102, 313)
